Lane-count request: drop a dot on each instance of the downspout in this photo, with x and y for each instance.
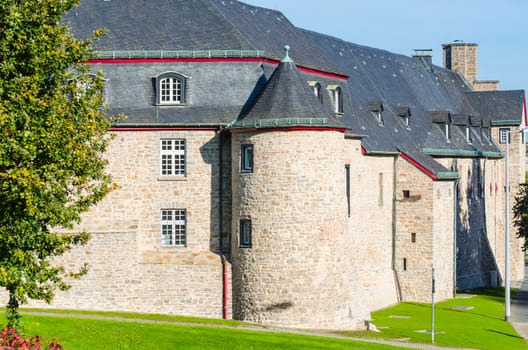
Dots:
(224, 288)
(220, 189)
(455, 224)
(394, 226)
(221, 223)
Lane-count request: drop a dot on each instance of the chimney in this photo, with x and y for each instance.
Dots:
(463, 57)
(425, 55)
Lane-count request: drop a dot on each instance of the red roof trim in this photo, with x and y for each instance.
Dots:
(419, 166)
(164, 128)
(227, 59)
(525, 112)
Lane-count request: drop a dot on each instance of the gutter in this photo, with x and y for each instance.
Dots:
(461, 153)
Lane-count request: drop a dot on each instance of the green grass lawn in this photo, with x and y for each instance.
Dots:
(477, 323)
(93, 334)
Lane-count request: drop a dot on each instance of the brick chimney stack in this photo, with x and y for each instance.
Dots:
(463, 57)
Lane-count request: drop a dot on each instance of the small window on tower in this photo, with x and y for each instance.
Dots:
(246, 158)
(245, 233)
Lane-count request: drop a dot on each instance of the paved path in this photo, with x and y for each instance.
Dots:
(519, 307)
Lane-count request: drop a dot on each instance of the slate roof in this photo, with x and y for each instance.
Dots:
(285, 101)
(396, 82)
(504, 108)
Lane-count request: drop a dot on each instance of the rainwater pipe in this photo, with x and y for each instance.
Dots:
(225, 298)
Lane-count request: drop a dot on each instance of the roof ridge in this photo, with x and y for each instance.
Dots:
(235, 27)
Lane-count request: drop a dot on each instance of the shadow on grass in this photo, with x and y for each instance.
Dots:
(503, 333)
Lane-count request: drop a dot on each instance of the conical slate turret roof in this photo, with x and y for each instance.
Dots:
(285, 101)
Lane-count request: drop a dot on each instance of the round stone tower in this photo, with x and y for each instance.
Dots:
(289, 242)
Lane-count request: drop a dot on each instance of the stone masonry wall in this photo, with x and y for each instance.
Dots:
(424, 234)
(129, 269)
(517, 173)
(370, 225)
(298, 270)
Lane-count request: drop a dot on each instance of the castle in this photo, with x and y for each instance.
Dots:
(300, 186)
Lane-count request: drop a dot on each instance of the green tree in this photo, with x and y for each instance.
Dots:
(520, 213)
(53, 134)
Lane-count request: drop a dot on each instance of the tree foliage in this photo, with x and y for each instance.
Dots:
(520, 213)
(53, 133)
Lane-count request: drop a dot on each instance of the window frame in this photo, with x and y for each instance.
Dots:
(173, 221)
(468, 134)
(244, 233)
(505, 135)
(447, 131)
(247, 158)
(177, 82)
(170, 165)
(338, 100)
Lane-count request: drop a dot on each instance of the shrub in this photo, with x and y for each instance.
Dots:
(11, 340)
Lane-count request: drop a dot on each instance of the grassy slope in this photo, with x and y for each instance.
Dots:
(482, 327)
(100, 334)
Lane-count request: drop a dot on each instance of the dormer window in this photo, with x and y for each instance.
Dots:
(447, 131)
(468, 134)
(485, 130)
(443, 120)
(376, 109)
(317, 90)
(82, 86)
(170, 89)
(404, 113)
(337, 96)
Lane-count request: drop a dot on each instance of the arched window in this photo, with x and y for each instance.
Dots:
(170, 89)
(337, 97)
(317, 90)
(338, 100)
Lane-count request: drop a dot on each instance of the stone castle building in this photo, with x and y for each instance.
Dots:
(302, 186)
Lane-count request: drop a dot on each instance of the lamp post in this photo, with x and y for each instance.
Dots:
(507, 235)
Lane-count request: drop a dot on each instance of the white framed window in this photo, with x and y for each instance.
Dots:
(379, 117)
(376, 110)
(246, 158)
(316, 90)
(173, 228)
(504, 135)
(172, 156)
(245, 233)
(447, 131)
(468, 134)
(404, 113)
(170, 89)
(338, 100)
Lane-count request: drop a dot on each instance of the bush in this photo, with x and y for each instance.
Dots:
(11, 340)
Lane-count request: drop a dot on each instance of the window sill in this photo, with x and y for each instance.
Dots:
(172, 178)
(171, 104)
(173, 246)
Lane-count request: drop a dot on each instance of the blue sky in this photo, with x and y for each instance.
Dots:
(499, 27)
